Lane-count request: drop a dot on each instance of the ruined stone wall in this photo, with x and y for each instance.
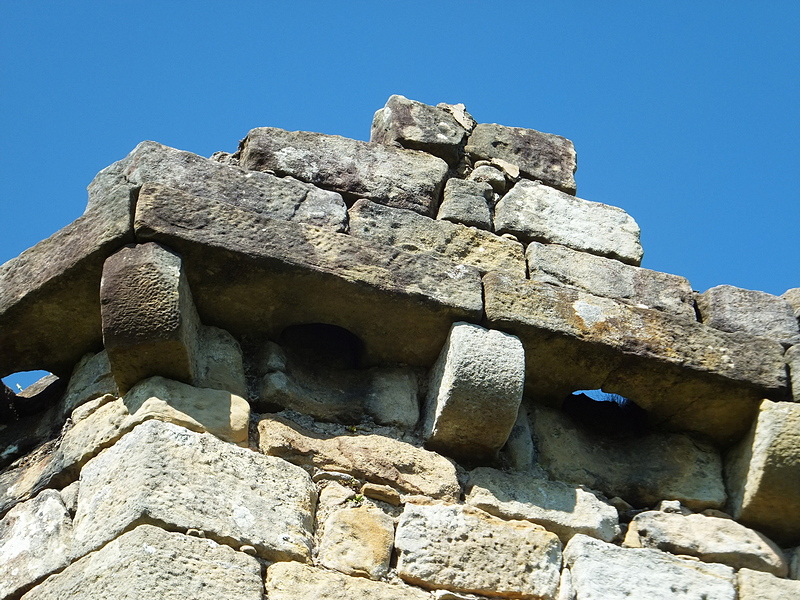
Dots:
(326, 368)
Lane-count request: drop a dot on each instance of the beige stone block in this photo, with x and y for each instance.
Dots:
(358, 541)
(756, 585)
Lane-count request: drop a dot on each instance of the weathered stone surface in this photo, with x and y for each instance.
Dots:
(729, 308)
(601, 570)
(519, 449)
(793, 556)
(563, 509)
(466, 550)
(474, 393)
(27, 476)
(417, 234)
(150, 325)
(710, 539)
(491, 175)
(535, 212)
(763, 473)
(792, 296)
(91, 378)
(418, 126)
(544, 156)
(291, 580)
(559, 265)
(35, 538)
(220, 364)
(149, 562)
(756, 585)
(642, 470)
(358, 541)
(372, 457)
(399, 304)
(402, 178)
(686, 375)
(165, 474)
(468, 203)
(793, 364)
(276, 197)
(49, 294)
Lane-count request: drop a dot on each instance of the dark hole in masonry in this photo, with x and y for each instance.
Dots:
(606, 414)
(323, 345)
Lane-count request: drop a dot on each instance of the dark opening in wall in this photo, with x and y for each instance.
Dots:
(323, 345)
(607, 414)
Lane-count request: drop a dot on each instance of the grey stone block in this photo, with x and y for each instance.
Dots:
(468, 203)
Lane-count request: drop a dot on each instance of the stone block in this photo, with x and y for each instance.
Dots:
(220, 364)
(544, 156)
(602, 570)
(35, 540)
(688, 376)
(733, 309)
(149, 562)
(468, 203)
(252, 275)
(358, 541)
(642, 469)
(291, 580)
(792, 296)
(474, 393)
(535, 212)
(793, 365)
(457, 243)
(757, 585)
(492, 175)
(91, 378)
(418, 126)
(763, 473)
(559, 265)
(164, 474)
(374, 457)
(388, 175)
(150, 325)
(558, 507)
(465, 550)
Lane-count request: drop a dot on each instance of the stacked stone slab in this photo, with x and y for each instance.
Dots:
(452, 291)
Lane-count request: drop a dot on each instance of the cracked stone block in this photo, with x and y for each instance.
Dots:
(474, 393)
(358, 541)
(468, 203)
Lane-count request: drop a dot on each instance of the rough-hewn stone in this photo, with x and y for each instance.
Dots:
(149, 562)
(488, 174)
(474, 393)
(399, 304)
(358, 541)
(793, 364)
(466, 550)
(763, 473)
(756, 585)
(417, 234)
(535, 212)
(372, 457)
(165, 474)
(544, 156)
(792, 296)
(468, 203)
(403, 178)
(220, 364)
(91, 378)
(558, 507)
(686, 375)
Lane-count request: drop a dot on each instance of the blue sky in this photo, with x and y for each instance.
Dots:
(685, 114)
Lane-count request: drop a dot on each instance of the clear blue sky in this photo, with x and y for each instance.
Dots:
(687, 114)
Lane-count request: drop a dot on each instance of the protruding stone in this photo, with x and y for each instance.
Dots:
(491, 175)
(358, 541)
(91, 378)
(382, 493)
(393, 176)
(756, 585)
(463, 549)
(763, 473)
(558, 507)
(468, 203)
(733, 309)
(792, 296)
(418, 126)
(150, 325)
(474, 393)
(536, 212)
(544, 156)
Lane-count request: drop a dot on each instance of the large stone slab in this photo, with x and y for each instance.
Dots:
(559, 265)
(642, 470)
(763, 473)
(535, 212)
(558, 507)
(756, 585)
(455, 242)
(394, 176)
(474, 393)
(358, 541)
(149, 562)
(165, 474)
(601, 570)
(255, 276)
(544, 156)
(711, 539)
(291, 580)
(373, 457)
(686, 375)
(466, 550)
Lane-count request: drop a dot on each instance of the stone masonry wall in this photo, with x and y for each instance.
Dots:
(325, 368)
